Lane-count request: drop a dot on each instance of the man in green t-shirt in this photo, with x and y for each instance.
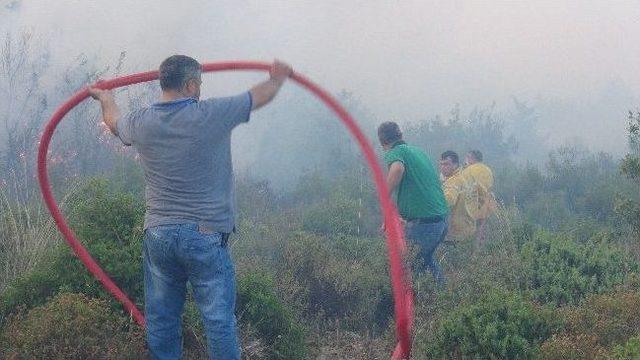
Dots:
(414, 183)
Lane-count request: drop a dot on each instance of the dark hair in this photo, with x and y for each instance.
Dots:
(477, 155)
(176, 70)
(389, 133)
(451, 155)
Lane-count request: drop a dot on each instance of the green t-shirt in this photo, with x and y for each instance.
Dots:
(419, 194)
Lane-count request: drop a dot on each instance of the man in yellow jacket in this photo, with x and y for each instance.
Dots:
(483, 202)
(456, 189)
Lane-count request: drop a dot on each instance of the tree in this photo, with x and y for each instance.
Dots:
(630, 167)
(22, 106)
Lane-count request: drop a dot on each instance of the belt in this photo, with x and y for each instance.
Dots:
(427, 220)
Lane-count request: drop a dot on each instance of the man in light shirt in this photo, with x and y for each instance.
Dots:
(483, 203)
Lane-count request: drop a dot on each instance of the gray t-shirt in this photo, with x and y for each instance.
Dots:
(185, 148)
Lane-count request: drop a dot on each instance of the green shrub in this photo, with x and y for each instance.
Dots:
(548, 210)
(598, 201)
(100, 214)
(558, 270)
(72, 326)
(517, 185)
(28, 291)
(612, 318)
(63, 272)
(630, 350)
(601, 322)
(109, 224)
(344, 278)
(256, 199)
(332, 217)
(498, 325)
(572, 347)
(259, 305)
(345, 205)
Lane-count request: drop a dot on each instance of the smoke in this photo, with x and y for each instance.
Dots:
(575, 63)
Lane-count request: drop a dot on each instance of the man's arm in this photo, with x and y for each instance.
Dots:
(265, 91)
(110, 110)
(396, 172)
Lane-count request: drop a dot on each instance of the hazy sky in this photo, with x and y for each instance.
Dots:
(404, 59)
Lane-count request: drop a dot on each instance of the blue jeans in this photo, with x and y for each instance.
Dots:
(174, 255)
(428, 236)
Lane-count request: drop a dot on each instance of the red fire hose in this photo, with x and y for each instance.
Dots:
(400, 280)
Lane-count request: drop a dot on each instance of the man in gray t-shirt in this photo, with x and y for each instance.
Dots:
(187, 163)
(185, 148)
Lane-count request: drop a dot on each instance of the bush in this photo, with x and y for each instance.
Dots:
(72, 326)
(28, 291)
(332, 217)
(515, 185)
(630, 350)
(258, 304)
(109, 224)
(572, 347)
(558, 270)
(344, 278)
(499, 325)
(346, 204)
(601, 322)
(598, 202)
(612, 318)
(195, 343)
(256, 199)
(548, 210)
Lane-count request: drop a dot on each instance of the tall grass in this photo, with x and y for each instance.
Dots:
(27, 232)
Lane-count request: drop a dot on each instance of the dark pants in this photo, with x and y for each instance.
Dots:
(427, 236)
